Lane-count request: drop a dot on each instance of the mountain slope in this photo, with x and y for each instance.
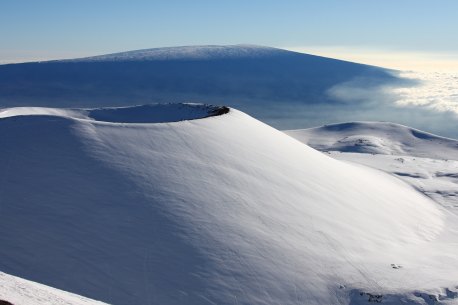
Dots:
(221, 210)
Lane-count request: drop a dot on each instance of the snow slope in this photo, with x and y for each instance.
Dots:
(436, 178)
(23, 292)
(220, 210)
(427, 162)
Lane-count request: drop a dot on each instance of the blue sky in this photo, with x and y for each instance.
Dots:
(45, 29)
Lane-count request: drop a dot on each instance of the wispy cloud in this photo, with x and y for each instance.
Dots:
(369, 91)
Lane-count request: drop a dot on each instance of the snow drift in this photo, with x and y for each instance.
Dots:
(218, 210)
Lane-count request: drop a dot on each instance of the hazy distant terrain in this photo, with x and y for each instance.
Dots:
(282, 88)
(231, 73)
(285, 89)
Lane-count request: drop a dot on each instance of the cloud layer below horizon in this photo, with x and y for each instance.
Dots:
(437, 91)
(404, 60)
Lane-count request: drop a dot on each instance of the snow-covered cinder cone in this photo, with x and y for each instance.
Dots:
(196, 209)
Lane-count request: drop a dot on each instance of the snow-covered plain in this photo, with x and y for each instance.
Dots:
(218, 210)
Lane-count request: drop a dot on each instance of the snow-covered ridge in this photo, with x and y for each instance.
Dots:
(154, 113)
(188, 53)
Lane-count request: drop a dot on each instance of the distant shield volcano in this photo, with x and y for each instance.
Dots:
(272, 84)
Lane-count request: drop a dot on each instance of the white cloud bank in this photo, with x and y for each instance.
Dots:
(434, 76)
(437, 91)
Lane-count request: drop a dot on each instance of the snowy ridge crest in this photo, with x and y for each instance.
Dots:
(187, 53)
(145, 114)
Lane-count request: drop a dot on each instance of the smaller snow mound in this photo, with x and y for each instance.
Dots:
(157, 113)
(377, 138)
(17, 291)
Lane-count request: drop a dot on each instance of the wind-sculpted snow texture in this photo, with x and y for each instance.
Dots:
(18, 291)
(218, 210)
